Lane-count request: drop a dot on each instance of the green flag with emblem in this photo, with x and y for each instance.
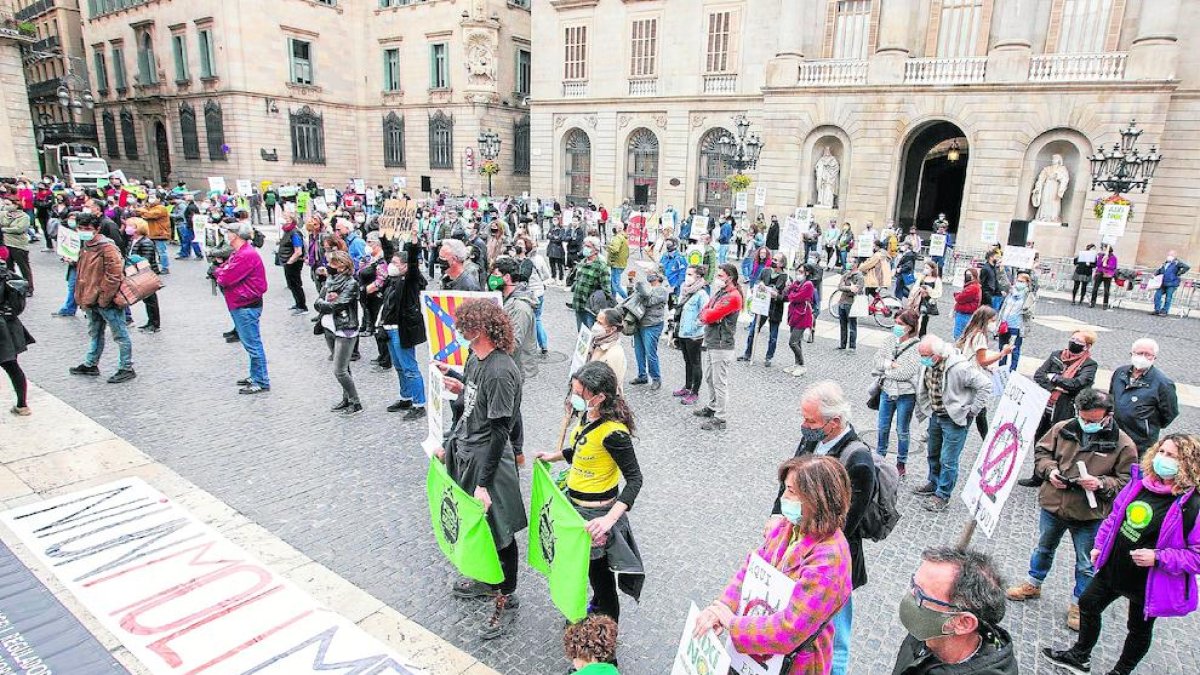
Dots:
(460, 526)
(559, 545)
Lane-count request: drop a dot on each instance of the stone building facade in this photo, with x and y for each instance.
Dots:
(18, 155)
(929, 106)
(285, 90)
(54, 59)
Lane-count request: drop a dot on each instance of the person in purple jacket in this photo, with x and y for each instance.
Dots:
(243, 280)
(1106, 269)
(1148, 551)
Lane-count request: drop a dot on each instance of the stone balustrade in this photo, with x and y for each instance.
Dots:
(643, 87)
(574, 89)
(964, 70)
(833, 73)
(720, 84)
(1105, 66)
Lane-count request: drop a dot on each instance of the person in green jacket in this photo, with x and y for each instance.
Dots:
(618, 258)
(270, 199)
(303, 198)
(591, 645)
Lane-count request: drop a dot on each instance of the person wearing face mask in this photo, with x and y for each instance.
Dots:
(807, 545)
(951, 392)
(719, 317)
(290, 256)
(898, 370)
(826, 429)
(802, 300)
(69, 307)
(924, 297)
(775, 280)
(478, 453)
(402, 324)
(1092, 438)
(600, 454)
(1106, 269)
(674, 267)
(338, 307)
(101, 268)
(556, 252)
(371, 277)
(1172, 272)
(1146, 400)
(1147, 551)
(690, 333)
(754, 266)
(905, 270)
(952, 613)
(536, 273)
(618, 259)
(460, 271)
(606, 342)
(14, 223)
(590, 275)
(159, 221)
(1016, 313)
(651, 295)
(137, 232)
(1064, 374)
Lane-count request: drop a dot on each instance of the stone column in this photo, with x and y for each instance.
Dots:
(784, 69)
(895, 42)
(1154, 51)
(1014, 27)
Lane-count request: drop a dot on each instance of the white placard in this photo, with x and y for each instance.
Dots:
(1009, 438)
(741, 202)
(864, 246)
(330, 196)
(989, 232)
(583, 349)
(791, 237)
(1019, 257)
(768, 590)
(699, 656)
(760, 196)
(400, 182)
(320, 204)
(760, 300)
(699, 227)
(216, 184)
(937, 245)
(243, 187)
(371, 197)
(1087, 257)
(435, 393)
(178, 594)
(360, 185)
(1112, 223)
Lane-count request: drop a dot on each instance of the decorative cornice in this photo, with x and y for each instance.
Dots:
(573, 4)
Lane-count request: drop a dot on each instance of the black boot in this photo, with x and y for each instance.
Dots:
(1031, 482)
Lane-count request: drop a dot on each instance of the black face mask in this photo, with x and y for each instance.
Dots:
(1075, 347)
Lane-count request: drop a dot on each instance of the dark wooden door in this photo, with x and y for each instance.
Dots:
(163, 152)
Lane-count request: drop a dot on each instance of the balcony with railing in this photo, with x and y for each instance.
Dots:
(832, 73)
(34, 10)
(1100, 67)
(961, 70)
(643, 87)
(720, 84)
(67, 132)
(574, 89)
(47, 44)
(45, 89)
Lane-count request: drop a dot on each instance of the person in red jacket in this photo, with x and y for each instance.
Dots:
(966, 301)
(719, 317)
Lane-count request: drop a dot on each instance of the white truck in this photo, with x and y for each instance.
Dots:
(76, 163)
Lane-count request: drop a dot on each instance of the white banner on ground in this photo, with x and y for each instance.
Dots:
(989, 232)
(937, 245)
(704, 655)
(1002, 454)
(764, 590)
(1019, 257)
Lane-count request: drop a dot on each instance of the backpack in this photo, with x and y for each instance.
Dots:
(12, 296)
(258, 240)
(881, 515)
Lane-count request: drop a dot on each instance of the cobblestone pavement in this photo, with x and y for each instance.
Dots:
(350, 493)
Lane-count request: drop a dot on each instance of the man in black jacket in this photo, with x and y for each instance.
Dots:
(773, 234)
(989, 281)
(826, 430)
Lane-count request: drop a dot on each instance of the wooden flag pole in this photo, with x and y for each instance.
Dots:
(968, 531)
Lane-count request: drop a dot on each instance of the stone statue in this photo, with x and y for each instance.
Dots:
(1049, 189)
(828, 171)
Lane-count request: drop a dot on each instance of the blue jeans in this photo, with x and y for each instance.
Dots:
(245, 320)
(960, 324)
(188, 243)
(944, 444)
(756, 326)
(404, 360)
(69, 307)
(1164, 292)
(645, 349)
(1013, 335)
(164, 256)
(1051, 529)
(722, 253)
(902, 406)
(614, 277)
(584, 318)
(115, 319)
(841, 637)
(542, 340)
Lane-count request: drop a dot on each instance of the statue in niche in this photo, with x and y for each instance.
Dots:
(828, 172)
(1049, 189)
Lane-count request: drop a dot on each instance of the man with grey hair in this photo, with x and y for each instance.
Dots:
(461, 274)
(1144, 398)
(243, 280)
(950, 393)
(591, 275)
(826, 428)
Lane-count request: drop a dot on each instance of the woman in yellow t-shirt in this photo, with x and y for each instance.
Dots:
(600, 453)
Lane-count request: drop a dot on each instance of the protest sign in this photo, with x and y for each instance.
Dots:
(636, 232)
(864, 246)
(583, 348)
(68, 243)
(244, 187)
(371, 196)
(399, 215)
(360, 185)
(435, 402)
(559, 544)
(704, 655)
(741, 202)
(1112, 223)
(439, 307)
(1009, 438)
(937, 245)
(120, 175)
(460, 526)
(216, 184)
(320, 204)
(695, 255)
(989, 232)
(760, 300)
(760, 196)
(791, 237)
(212, 238)
(330, 196)
(400, 182)
(1019, 257)
(765, 590)
(699, 227)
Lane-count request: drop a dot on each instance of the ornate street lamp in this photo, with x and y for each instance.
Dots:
(742, 151)
(1124, 167)
(489, 149)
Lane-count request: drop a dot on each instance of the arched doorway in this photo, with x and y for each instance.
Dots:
(711, 190)
(163, 150)
(641, 164)
(577, 163)
(933, 176)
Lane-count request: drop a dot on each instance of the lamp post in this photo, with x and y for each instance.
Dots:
(741, 151)
(489, 149)
(1123, 167)
(73, 93)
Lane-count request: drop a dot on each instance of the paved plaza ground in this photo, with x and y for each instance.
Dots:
(350, 493)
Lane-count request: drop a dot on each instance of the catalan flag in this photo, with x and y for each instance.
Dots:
(439, 308)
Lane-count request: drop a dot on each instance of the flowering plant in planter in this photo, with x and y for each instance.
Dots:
(738, 182)
(1099, 204)
(489, 168)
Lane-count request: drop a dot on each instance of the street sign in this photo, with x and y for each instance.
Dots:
(1008, 440)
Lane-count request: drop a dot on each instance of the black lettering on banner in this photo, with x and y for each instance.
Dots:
(151, 536)
(368, 665)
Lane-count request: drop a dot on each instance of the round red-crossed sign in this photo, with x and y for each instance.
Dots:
(1000, 460)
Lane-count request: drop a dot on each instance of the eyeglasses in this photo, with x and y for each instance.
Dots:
(923, 598)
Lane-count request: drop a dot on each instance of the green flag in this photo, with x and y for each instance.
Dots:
(559, 545)
(461, 527)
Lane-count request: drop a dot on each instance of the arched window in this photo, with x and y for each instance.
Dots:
(110, 134)
(129, 134)
(641, 165)
(521, 146)
(308, 136)
(711, 190)
(214, 130)
(441, 141)
(187, 127)
(393, 140)
(577, 151)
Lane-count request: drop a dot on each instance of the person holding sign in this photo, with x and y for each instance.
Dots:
(477, 451)
(600, 453)
(1146, 551)
(772, 282)
(1089, 440)
(1106, 269)
(807, 547)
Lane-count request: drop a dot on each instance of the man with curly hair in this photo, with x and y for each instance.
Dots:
(591, 645)
(478, 452)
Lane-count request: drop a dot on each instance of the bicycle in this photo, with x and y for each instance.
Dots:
(882, 306)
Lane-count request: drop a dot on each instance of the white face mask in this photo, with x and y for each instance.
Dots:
(393, 270)
(1141, 362)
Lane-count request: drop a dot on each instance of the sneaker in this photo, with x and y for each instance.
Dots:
(690, 399)
(62, 315)
(122, 375)
(926, 489)
(340, 406)
(936, 504)
(149, 329)
(244, 382)
(501, 618)
(798, 371)
(681, 392)
(402, 404)
(744, 359)
(714, 424)
(655, 385)
(355, 356)
(353, 409)
(253, 389)
(704, 412)
(1073, 617)
(469, 589)
(639, 380)
(1065, 659)
(767, 363)
(84, 369)
(1023, 591)
(414, 413)
(20, 411)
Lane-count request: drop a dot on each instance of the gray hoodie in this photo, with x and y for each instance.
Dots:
(520, 306)
(965, 391)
